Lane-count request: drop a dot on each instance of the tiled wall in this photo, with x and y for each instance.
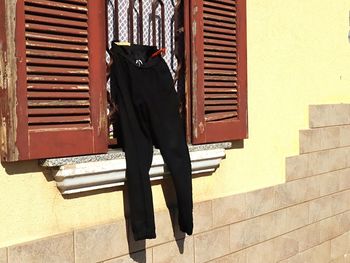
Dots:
(306, 219)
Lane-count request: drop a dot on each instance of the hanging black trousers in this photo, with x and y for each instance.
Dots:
(142, 87)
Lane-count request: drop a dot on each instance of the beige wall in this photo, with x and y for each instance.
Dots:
(298, 54)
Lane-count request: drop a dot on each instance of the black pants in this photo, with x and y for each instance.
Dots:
(148, 106)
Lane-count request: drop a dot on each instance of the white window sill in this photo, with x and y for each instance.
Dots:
(86, 173)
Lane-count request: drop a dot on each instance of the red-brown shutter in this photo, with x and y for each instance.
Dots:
(60, 91)
(219, 70)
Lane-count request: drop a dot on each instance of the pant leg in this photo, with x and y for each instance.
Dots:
(169, 136)
(138, 152)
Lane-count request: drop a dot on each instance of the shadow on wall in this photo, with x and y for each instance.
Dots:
(26, 167)
(140, 246)
(239, 144)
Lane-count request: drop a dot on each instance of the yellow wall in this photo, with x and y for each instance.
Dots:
(298, 54)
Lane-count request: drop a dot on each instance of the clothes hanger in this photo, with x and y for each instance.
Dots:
(139, 21)
(155, 4)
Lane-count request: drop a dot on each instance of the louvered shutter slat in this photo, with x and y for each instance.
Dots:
(219, 72)
(55, 29)
(219, 105)
(213, 55)
(62, 38)
(220, 96)
(61, 95)
(57, 103)
(219, 48)
(59, 5)
(219, 101)
(29, 9)
(56, 78)
(56, 70)
(220, 24)
(56, 46)
(58, 111)
(55, 21)
(231, 3)
(55, 87)
(215, 4)
(223, 36)
(73, 56)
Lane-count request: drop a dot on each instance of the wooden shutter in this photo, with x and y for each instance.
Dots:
(60, 89)
(219, 82)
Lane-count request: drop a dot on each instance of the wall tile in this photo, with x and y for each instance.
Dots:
(315, 163)
(313, 188)
(289, 193)
(319, 139)
(319, 254)
(328, 160)
(319, 162)
(245, 233)
(101, 242)
(256, 230)
(202, 216)
(54, 249)
(340, 246)
(344, 135)
(329, 228)
(344, 222)
(180, 251)
(297, 167)
(285, 246)
(237, 236)
(329, 115)
(307, 237)
(260, 201)
(239, 257)
(144, 256)
(252, 231)
(296, 192)
(3, 255)
(320, 208)
(167, 229)
(294, 259)
(280, 221)
(229, 209)
(297, 216)
(329, 183)
(344, 179)
(267, 226)
(211, 245)
(261, 251)
(340, 202)
(346, 152)
(342, 259)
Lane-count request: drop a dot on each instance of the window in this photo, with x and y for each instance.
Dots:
(53, 76)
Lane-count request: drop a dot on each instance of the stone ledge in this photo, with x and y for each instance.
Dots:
(119, 154)
(87, 173)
